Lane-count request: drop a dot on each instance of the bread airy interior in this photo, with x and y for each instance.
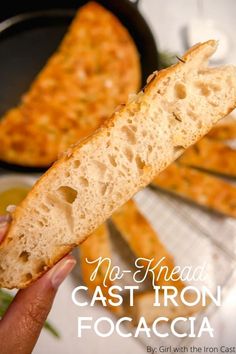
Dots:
(177, 107)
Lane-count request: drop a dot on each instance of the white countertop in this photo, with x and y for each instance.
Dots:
(167, 19)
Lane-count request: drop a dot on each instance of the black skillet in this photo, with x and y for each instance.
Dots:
(30, 31)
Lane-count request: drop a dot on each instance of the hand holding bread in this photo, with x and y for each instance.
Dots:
(18, 326)
(84, 187)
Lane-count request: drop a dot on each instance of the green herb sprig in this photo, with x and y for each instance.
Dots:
(5, 301)
(166, 59)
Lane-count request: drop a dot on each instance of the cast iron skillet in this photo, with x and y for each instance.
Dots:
(30, 31)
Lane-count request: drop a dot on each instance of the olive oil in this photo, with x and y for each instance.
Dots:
(12, 196)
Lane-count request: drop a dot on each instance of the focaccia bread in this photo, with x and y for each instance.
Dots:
(214, 156)
(198, 187)
(97, 245)
(144, 242)
(225, 130)
(94, 70)
(99, 174)
(143, 306)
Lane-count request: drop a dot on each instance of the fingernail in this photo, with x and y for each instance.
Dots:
(61, 270)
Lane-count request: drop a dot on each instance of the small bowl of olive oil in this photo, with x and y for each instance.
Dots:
(13, 189)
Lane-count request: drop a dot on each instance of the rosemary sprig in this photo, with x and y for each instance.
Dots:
(5, 301)
(49, 327)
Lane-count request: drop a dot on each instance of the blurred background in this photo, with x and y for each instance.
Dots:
(201, 229)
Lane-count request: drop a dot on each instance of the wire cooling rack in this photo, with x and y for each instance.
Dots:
(194, 237)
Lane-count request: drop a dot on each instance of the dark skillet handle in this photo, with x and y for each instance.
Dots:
(135, 2)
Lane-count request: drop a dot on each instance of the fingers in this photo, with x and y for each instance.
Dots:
(4, 223)
(5, 218)
(27, 314)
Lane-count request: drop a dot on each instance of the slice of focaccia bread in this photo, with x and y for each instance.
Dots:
(212, 156)
(95, 177)
(143, 306)
(198, 187)
(144, 242)
(97, 245)
(95, 68)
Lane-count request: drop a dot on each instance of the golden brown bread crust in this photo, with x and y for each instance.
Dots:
(92, 147)
(143, 240)
(97, 245)
(94, 70)
(198, 187)
(211, 155)
(224, 131)
(143, 306)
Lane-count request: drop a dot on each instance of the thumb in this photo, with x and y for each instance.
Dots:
(21, 325)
